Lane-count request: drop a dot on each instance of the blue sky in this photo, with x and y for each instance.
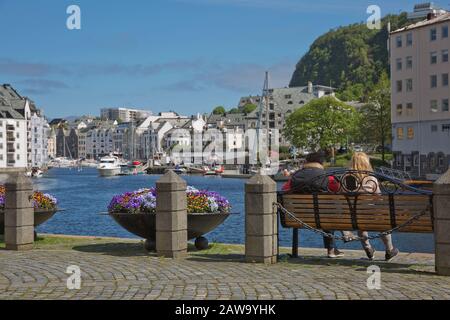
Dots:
(182, 55)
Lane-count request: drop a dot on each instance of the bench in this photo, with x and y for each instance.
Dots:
(357, 206)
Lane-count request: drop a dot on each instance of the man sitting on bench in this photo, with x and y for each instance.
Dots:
(304, 181)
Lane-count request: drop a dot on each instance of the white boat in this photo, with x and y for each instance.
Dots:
(109, 166)
(35, 173)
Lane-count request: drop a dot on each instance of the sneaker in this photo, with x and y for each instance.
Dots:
(391, 254)
(370, 252)
(333, 254)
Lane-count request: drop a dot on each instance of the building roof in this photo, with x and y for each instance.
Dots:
(7, 112)
(440, 18)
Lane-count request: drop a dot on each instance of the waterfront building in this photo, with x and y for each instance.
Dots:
(51, 143)
(420, 69)
(124, 114)
(67, 143)
(39, 140)
(34, 151)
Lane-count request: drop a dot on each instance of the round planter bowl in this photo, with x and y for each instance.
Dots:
(40, 216)
(144, 224)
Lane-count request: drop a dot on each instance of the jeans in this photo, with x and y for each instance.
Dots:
(329, 243)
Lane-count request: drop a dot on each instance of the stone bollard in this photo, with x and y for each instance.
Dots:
(171, 216)
(19, 213)
(261, 223)
(441, 204)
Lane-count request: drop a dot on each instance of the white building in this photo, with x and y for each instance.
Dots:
(39, 140)
(26, 133)
(124, 114)
(420, 73)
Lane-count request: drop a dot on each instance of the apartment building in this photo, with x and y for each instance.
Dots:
(420, 69)
(30, 145)
(13, 138)
(124, 114)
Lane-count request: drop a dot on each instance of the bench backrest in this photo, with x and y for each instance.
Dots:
(350, 209)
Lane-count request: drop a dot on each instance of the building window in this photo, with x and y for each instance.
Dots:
(288, 96)
(17, 135)
(18, 146)
(409, 62)
(434, 128)
(400, 133)
(434, 106)
(433, 81)
(444, 31)
(399, 109)
(409, 109)
(444, 55)
(17, 124)
(1, 157)
(445, 105)
(399, 86)
(433, 57)
(409, 85)
(410, 133)
(416, 160)
(399, 41)
(445, 79)
(18, 157)
(399, 64)
(446, 128)
(433, 34)
(409, 39)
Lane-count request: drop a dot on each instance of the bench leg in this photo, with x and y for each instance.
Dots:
(294, 243)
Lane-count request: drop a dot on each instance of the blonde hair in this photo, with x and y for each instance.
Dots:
(361, 162)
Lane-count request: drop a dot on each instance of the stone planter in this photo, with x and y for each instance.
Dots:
(144, 225)
(40, 216)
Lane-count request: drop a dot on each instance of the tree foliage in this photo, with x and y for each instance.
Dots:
(321, 124)
(349, 58)
(249, 107)
(219, 110)
(375, 125)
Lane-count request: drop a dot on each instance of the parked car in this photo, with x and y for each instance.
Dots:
(358, 148)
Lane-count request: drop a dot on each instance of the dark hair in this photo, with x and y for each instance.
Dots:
(315, 157)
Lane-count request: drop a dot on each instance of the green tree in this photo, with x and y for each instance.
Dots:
(219, 110)
(321, 124)
(249, 108)
(375, 126)
(234, 110)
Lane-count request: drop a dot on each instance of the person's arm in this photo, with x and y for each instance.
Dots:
(333, 184)
(287, 186)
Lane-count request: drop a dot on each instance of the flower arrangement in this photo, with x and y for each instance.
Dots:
(144, 200)
(40, 200)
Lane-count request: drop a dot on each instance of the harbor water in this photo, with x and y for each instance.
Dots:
(85, 196)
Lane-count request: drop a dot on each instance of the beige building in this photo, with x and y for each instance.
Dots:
(420, 68)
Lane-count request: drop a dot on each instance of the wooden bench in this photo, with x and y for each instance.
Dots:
(357, 208)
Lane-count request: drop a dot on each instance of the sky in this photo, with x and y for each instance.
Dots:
(182, 55)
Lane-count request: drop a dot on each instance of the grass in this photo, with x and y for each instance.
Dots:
(343, 160)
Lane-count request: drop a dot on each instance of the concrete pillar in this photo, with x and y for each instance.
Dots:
(261, 223)
(171, 216)
(19, 213)
(441, 191)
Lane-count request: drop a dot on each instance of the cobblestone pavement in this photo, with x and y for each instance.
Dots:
(125, 271)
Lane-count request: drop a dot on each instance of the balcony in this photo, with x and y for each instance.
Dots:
(10, 138)
(10, 127)
(11, 150)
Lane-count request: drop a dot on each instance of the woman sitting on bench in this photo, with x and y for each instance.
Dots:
(365, 183)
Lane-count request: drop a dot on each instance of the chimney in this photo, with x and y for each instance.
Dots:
(310, 87)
